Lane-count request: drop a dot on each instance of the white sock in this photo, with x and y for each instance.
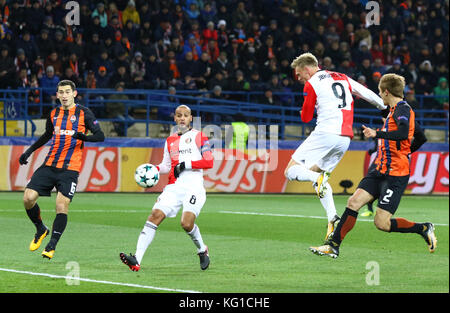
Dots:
(145, 239)
(197, 238)
(328, 202)
(301, 173)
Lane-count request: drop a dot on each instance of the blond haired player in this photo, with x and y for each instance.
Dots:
(186, 153)
(330, 94)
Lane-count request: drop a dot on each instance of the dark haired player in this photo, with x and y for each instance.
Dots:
(66, 126)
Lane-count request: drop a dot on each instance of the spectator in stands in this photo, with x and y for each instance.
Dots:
(166, 113)
(442, 91)
(22, 80)
(44, 44)
(256, 84)
(426, 70)
(130, 13)
(101, 13)
(239, 84)
(74, 64)
(188, 66)
(286, 87)
(21, 61)
(439, 56)
(115, 109)
(212, 49)
(54, 61)
(411, 99)
(121, 75)
(70, 75)
(423, 87)
(203, 67)
(48, 82)
(7, 68)
(137, 72)
(411, 73)
(102, 77)
(191, 45)
(91, 81)
(373, 83)
(219, 79)
(209, 33)
(223, 40)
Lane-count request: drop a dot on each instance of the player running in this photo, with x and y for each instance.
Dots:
(67, 126)
(389, 179)
(186, 153)
(330, 94)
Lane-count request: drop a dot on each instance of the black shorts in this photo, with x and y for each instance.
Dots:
(47, 177)
(387, 189)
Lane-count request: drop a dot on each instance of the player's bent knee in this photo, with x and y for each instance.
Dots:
(382, 224)
(354, 203)
(187, 225)
(156, 217)
(29, 198)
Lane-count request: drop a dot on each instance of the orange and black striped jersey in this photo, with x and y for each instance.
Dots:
(65, 151)
(394, 141)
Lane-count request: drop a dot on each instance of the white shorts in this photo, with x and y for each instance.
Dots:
(175, 196)
(322, 149)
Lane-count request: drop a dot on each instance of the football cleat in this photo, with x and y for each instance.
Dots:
(130, 260)
(204, 259)
(367, 213)
(38, 237)
(326, 249)
(429, 236)
(321, 182)
(48, 253)
(332, 226)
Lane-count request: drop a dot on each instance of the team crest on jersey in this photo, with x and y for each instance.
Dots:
(73, 118)
(188, 140)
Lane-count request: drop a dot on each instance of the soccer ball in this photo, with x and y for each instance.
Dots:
(146, 175)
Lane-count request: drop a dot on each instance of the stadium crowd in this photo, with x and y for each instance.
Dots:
(222, 45)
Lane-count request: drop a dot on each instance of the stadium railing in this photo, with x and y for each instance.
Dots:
(145, 106)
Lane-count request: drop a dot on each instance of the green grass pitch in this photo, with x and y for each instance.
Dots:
(258, 244)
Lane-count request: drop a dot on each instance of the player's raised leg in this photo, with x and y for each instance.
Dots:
(30, 197)
(59, 225)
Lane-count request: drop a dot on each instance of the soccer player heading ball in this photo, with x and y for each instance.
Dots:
(186, 153)
(388, 179)
(330, 94)
(66, 126)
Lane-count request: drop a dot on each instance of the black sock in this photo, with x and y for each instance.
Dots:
(348, 220)
(59, 224)
(35, 216)
(401, 225)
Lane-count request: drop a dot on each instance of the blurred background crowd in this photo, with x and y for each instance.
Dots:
(222, 45)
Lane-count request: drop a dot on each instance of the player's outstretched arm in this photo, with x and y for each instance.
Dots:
(367, 94)
(46, 136)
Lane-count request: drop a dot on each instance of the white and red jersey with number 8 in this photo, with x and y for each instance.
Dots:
(330, 93)
(194, 150)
